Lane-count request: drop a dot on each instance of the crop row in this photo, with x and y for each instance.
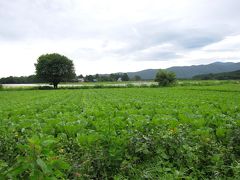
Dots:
(121, 133)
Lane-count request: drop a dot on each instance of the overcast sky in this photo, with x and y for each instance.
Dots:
(104, 36)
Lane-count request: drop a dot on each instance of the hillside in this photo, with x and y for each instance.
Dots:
(219, 76)
(187, 72)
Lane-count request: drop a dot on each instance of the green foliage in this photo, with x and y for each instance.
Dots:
(125, 77)
(89, 78)
(54, 68)
(104, 78)
(116, 76)
(20, 80)
(38, 161)
(165, 78)
(190, 132)
(234, 75)
(137, 78)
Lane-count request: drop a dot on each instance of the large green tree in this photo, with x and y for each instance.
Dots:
(54, 68)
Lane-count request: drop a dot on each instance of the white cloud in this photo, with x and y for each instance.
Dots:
(229, 43)
(112, 35)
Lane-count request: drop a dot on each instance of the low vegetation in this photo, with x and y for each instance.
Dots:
(189, 132)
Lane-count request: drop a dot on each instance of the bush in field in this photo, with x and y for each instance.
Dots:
(54, 68)
(137, 78)
(165, 78)
(1, 86)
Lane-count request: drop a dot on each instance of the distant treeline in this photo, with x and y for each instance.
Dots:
(102, 78)
(20, 80)
(219, 76)
(88, 78)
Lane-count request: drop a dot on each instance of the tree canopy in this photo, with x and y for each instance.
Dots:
(165, 78)
(54, 68)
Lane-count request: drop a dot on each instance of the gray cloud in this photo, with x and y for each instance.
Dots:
(197, 39)
(145, 35)
(147, 30)
(36, 19)
(156, 56)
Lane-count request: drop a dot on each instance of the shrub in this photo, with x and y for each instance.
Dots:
(98, 86)
(130, 85)
(44, 87)
(165, 78)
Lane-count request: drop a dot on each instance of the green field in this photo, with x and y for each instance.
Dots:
(121, 133)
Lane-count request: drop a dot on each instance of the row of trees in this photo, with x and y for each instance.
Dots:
(88, 78)
(20, 80)
(104, 78)
(234, 75)
(55, 68)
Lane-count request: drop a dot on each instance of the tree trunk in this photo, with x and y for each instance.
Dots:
(55, 85)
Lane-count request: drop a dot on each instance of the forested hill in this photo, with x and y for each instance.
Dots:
(187, 72)
(234, 75)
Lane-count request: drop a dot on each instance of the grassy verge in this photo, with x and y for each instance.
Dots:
(130, 84)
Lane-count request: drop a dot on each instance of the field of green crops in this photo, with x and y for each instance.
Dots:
(123, 133)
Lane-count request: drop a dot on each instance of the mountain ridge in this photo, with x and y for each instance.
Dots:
(187, 72)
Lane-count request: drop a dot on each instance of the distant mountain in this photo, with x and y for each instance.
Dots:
(187, 72)
(144, 74)
(233, 75)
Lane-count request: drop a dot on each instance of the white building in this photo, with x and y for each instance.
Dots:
(80, 79)
(119, 79)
